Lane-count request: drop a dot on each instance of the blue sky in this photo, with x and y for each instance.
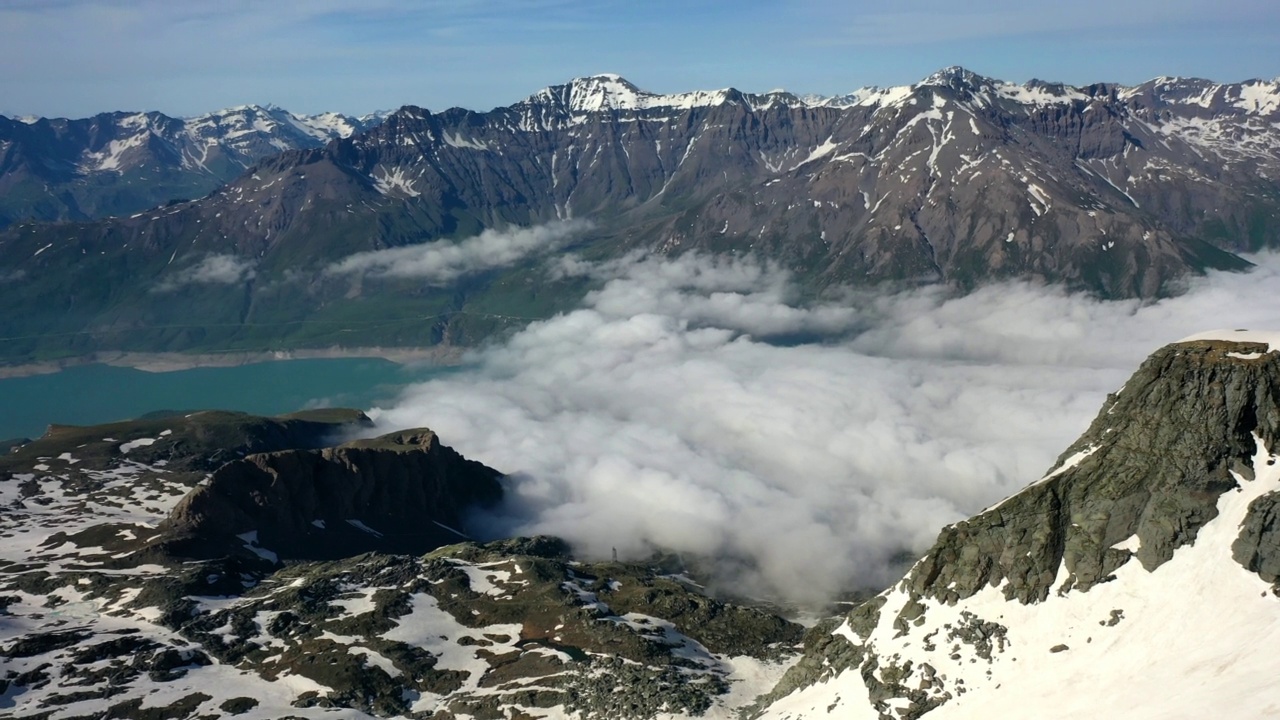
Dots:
(78, 57)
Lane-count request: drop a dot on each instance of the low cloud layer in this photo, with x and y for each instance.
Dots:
(659, 415)
(212, 270)
(444, 261)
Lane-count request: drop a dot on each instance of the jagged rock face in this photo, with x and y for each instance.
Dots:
(1153, 463)
(400, 493)
(91, 498)
(958, 179)
(1114, 571)
(122, 163)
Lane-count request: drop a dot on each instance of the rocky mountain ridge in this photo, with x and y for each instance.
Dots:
(119, 163)
(1145, 559)
(959, 179)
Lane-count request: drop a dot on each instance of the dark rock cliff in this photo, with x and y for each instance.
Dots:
(399, 493)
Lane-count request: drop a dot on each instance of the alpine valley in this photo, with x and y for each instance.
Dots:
(222, 565)
(344, 563)
(960, 179)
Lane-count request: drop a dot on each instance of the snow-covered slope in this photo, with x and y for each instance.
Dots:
(1180, 618)
(103, 615)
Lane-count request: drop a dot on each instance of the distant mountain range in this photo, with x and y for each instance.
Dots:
(958, 179)
(121, 163)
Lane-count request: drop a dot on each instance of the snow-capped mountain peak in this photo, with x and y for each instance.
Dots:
(272, 119)
(161, 158)
(609, 91)
(605, 91)
(956, 75)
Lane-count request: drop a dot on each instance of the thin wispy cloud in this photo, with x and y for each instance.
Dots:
(211, 270)
(444, 261)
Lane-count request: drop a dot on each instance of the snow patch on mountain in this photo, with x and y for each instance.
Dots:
(392, 181)
(458, 141)
(1031, 94)
(111, 157)
(1264, 337)
(864, 97)
(611, 92)
(1259, 97)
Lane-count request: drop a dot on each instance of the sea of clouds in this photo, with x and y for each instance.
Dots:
(692, 404)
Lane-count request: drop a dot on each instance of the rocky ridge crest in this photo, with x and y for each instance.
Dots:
(1184, 449)
(958, 179)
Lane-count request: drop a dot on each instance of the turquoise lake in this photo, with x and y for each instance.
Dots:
(92, 394)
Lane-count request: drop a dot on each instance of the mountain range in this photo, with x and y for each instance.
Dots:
(221, 565)
(958, 179)
(120, 163)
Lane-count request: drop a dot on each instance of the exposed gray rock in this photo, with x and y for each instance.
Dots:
(1160, 453)
(1153, 464)
(1258, 547)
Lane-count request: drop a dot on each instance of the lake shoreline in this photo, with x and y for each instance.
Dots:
(176, 361)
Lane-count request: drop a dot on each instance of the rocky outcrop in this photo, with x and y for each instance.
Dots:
(399, 493)
(1152, 464)
(126, 593)
(1258, 547)
(1112, 538)
(513, 628)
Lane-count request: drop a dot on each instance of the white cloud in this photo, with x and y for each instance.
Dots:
(212, 270)
(444, 260)
(738, 294)
(652, 417)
